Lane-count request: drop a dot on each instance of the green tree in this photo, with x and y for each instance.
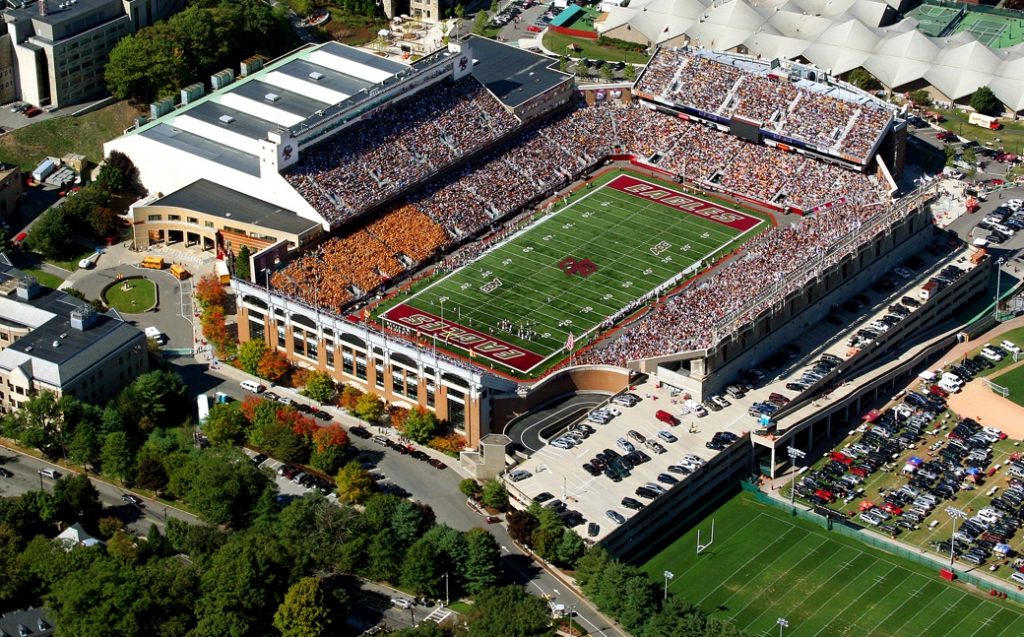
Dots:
(590, 568)
(225, 487)
(607, 72)
(151, 475)
(162, 393)
(144, 66)
(483, 564)
(495, 495)
(354, 483)
(863, 80)
(470, 488)
(638, 600)
(14, 574)
(118, 173)
(420, 572)
(950, 151)
(329, 459)
(320, 386)
(970, 156)
(629, 72)
(420, 425)
(53, 234)
(304, 611)
(674, 618)
(984, 101)
(570, 548)
(369, 407)
(563, 63)
(521, 525)
(242, 270)
(86, 444)
(226, 425)
(508, 610)
(920, 98)
(383, 561)
(118, 456)
(250, 354)
(76, 498)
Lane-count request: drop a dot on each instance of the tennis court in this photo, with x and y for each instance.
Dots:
(994, 31)
(934, 20)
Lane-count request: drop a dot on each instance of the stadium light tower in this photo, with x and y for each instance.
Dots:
(794, 455)
(999, 279)
(668, 578)
(954, 514)
(783, 624)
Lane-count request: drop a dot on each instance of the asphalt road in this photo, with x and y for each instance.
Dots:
(531, 431)
(27, 478)
(436, 488)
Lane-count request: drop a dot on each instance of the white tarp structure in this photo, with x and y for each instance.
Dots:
(837, 36)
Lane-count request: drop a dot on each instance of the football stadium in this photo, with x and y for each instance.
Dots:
(475, 234)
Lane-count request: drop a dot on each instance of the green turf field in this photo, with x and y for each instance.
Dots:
(764, 565)
(607, 251)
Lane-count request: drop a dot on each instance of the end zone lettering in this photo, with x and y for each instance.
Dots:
(683, 202)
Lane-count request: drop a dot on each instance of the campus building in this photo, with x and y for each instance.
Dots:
(50, 341)
(60, 49)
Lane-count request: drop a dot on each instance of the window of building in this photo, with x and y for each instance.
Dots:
(208, 224)
(193, 220)
(174, 217)
(360, 367)
(256, 332)
(378, 364)
(154, 218)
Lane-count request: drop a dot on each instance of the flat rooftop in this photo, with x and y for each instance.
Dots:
(513, 75)
(232, 119)
(213, 199)
(204, 148)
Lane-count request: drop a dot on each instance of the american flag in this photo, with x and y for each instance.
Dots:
(569, 342)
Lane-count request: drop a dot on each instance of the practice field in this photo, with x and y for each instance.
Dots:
(995, 31)
(575, 270)
(764, 565)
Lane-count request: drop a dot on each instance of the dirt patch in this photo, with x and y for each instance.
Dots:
(353, 32)
(989, 408)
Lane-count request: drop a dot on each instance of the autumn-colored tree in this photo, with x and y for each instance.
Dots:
(451, 444)
(209, 291)
(300, 425)
(215, 328)
(300, 376)
(369, 407)
(273, 365)
(398, 416)
(330, 436)
(349, 396)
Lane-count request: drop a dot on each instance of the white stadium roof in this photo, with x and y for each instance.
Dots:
(836, 36)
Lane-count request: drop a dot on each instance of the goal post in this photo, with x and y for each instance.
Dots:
(702, 547)
(999, 389)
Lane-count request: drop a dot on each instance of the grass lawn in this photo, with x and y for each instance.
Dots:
(1011, 136)
(70, 262)
(569, 273)
(139, 297)
(56, 137)
(1014, 336)
(44, 278)
(556, 43)
(352, 29)
(765, 564)
(1013, 380)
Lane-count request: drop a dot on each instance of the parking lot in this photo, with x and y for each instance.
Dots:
(558, 477)
(919, 472)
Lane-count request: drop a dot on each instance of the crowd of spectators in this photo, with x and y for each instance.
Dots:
(398, 147)
(813, 116)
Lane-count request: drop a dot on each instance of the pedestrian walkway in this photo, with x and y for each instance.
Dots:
(438, 615)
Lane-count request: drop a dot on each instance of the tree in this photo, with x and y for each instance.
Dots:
(607, 72)
(151, 475)
(332, 435)
(920, 98)
(161, 394)
(470, 488)
(950, 154)
(209, 291)
(629, 72)
(354, 483)
(242, 270)
(984, 101)
(349, 397)
(570, 548)
(53, 234)
(508, 610)
(420, 425)
(563, 63)
(863, 80)
(304, 611)
(328, 460)
(369, 407)
(420, 571)
(590, 569)
(118, 173)
(250, 354)
(320, 386)
(970, 156)
(224, 487)
(76, 498)
(495, 495)
(638, 599)
(273, 365)
(225, 425)
(86, 444)
(676, 617)
(118, 456)
(521, 526)
(483, 564)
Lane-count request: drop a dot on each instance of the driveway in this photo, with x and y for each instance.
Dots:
(532, 431)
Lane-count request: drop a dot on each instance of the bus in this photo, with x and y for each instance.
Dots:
(203, 405)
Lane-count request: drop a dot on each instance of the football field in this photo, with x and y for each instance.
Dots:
(765, 564)
(586, 265)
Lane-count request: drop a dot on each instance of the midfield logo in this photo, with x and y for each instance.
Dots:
(582, 267)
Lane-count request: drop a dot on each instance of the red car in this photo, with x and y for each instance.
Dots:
(945, 136)
(892, 508)
(825, 495)
(32, 111)
(666, 417)
(859, 471)
(938, 391)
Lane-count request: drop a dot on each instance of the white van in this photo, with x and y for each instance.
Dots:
(251, 385)
(49, 473)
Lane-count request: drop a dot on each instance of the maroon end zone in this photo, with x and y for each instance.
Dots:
(445, 331)
(683, 202)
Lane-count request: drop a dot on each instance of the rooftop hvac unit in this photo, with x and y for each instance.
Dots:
(160, 108)
(251, 65)
(192, 92)
(226, 119)
(272, 97)
(221, 79)
(316, 76)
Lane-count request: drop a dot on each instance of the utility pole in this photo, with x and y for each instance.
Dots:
(794, 455)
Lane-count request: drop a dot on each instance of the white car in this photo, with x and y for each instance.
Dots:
(625, 445)
(562, 443)
(1015, 204)
(1008, 345)
(626, 400)
(720, 401)
(666, 436)
(992, 356)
